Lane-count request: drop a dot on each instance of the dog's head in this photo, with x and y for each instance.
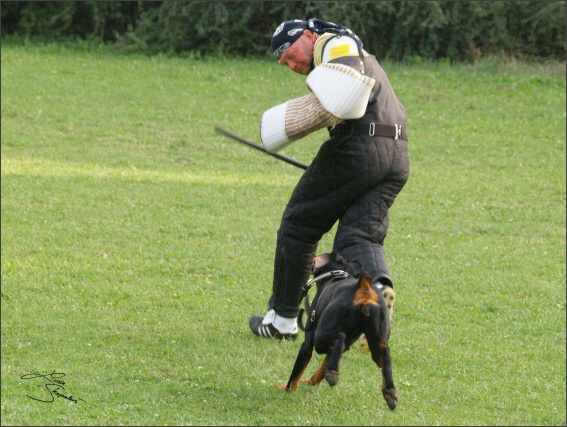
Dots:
(333, 261)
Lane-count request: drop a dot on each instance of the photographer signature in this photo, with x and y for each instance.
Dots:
(53, 385)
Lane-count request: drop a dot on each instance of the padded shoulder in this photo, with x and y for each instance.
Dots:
(340, 49)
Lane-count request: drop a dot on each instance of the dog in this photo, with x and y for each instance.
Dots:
(344, 308)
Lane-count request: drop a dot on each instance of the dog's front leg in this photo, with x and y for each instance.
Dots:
(388, 387)
(301, 362)
(332, 375)
(381, 356)
(319, 374)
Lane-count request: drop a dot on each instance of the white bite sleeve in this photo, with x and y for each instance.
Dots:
(285, 123)
(272, 129)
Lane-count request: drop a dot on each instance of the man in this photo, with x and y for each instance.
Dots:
(356, 174)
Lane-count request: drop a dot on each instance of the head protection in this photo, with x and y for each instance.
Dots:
(289, 32)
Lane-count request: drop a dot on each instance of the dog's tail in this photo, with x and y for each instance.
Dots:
(365, 294)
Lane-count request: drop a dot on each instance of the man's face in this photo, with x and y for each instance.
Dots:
(299, 56)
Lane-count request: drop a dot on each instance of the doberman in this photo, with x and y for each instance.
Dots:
(344, 307)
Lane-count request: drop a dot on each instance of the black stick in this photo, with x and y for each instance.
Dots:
(259, 147)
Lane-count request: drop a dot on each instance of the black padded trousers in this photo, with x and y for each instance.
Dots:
(353, 180)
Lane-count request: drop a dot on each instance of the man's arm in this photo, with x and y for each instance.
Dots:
(339, 92)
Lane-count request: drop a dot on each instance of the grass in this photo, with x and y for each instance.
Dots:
(136, 242)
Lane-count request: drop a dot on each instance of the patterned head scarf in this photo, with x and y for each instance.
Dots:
(289, 32)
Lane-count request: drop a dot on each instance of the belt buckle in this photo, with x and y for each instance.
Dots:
(371, 129)
(398, 131)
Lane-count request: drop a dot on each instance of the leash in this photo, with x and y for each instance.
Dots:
(336, 274)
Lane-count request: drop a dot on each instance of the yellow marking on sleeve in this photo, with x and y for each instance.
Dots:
(338, 51)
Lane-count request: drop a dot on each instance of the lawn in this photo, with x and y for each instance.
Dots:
(136, 242)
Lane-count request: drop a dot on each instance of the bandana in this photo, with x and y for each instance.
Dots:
(289, 32)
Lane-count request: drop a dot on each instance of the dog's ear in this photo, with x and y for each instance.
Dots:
(335, 257)
(319, 262)
(354, 268)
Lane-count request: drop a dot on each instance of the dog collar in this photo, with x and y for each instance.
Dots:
(335, 273)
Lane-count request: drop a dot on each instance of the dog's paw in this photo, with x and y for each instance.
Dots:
(311, 381)
(289, 387)
(391, 397)
(390, 298)
(332, 377)
(363, 345)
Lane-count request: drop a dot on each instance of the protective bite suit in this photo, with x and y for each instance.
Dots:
(354, 179)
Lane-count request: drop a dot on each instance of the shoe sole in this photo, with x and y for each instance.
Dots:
(268, 331)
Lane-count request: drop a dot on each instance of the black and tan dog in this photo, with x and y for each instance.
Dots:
(344, 308)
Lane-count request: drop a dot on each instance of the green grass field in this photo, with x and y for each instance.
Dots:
(137, 242)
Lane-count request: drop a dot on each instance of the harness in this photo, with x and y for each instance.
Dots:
(311, 319)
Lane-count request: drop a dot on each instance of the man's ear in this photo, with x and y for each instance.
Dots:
(310, 36)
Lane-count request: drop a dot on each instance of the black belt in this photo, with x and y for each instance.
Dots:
(372, 129)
